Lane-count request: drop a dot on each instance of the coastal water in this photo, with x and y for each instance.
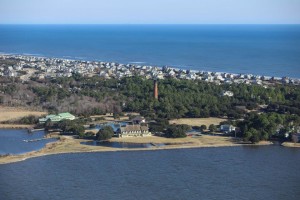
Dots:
(257, 49)
(12, 141)
(265, 172)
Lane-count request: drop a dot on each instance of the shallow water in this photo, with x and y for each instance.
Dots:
(12, 141)
(261, 172)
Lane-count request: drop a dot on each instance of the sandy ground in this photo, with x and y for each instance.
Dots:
(68, 144)
(29, 74)
(291, 144)
(198, 121)
(9, 113)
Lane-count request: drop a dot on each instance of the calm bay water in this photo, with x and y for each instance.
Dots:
(12, 141)
(258, 49)
(270, 172)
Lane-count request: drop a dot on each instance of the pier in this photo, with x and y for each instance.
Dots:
(35, 140)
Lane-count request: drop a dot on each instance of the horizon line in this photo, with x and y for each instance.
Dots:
(149, 24)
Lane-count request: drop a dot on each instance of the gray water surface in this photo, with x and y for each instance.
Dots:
(266, 172)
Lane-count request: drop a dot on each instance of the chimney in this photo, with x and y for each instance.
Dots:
(155, 89)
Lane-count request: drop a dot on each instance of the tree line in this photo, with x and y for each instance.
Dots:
(177, 98)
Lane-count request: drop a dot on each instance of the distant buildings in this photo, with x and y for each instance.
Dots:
(43, 68)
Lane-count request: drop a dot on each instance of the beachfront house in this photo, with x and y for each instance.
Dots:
(57, 118)
(133, 130)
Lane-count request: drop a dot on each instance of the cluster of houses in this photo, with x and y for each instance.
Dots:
(53, 67)
(138, 127)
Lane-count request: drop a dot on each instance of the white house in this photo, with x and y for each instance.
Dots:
(227, 128)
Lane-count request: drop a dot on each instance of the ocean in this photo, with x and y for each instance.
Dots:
(272, 50)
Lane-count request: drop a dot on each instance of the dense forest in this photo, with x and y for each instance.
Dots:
(177, 98)
(266, 126)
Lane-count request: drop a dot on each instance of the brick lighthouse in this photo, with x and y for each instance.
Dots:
(155, 92)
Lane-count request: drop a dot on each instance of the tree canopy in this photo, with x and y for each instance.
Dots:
(105, 133)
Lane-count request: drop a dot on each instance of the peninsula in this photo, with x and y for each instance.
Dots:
(181, 108)
(67, 144)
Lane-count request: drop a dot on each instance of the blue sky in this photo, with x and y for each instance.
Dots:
(149, 11)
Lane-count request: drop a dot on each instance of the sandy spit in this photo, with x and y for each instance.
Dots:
(67, 144)
(291, 144)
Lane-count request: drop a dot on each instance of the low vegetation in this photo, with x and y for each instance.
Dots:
(67, 127)
(30, 120)
(105, 133)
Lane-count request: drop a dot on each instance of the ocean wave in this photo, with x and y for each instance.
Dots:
(137, 62)
(31, 54)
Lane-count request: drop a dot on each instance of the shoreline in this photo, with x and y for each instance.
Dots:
(16, 126)
(291, 144)
(67, 144)
(248, 78)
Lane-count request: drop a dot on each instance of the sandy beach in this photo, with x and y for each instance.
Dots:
(67, 144)
(291, 144)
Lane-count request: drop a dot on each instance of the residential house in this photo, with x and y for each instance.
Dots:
(226, 128)
(134, 130)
